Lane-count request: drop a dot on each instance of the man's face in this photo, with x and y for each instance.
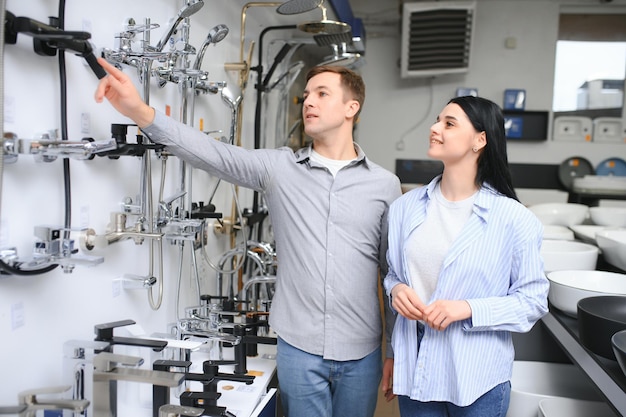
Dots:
(325, 109)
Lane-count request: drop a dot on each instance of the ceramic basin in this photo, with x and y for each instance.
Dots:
(608, 216)
(568, 287)
(535, 381)
(612, 242)
(565, 254)
(619, 348)
(599, 318)
(560, 214)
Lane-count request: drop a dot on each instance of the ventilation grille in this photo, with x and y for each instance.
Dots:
(436, 38)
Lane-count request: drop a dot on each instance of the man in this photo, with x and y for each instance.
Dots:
(327, 204)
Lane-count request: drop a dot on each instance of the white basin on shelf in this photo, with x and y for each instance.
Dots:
(533, 382)
(612, 242)
(608, 216)
(567, 287)
(566, 254)
(560, 214)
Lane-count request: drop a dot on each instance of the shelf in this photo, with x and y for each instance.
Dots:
(604, 373)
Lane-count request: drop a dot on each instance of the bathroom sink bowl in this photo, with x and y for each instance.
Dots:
(572, 407)
(560, 214)
(554, 232)
(534, 381)
(619, 348)
(599, 318)
(612, 242)
(568, 287)
(566, 254)
(608, 216)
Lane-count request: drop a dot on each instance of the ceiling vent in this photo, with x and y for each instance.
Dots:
(436, 38)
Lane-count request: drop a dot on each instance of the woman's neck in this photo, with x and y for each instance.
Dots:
(457, 185)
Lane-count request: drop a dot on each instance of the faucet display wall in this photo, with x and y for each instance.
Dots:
(105, 170)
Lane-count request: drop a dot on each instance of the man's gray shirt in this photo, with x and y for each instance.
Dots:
(330, 236)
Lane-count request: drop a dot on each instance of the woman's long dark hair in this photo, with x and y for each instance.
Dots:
(493, 164)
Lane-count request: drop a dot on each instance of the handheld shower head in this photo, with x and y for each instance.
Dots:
(218, 33)
(215, 35)
(192, 7)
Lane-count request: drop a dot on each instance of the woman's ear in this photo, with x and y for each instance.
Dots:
(480, 141)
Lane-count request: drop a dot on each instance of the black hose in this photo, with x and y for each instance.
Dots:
(6, 268)
(260, 88)
(64, 133)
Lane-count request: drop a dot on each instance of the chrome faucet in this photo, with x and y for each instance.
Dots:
(106, 371)
(171, 410)
(32, 403)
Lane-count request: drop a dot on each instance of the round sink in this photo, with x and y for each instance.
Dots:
(568, 287)
(599, 318)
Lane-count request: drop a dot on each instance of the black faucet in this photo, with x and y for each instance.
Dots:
(160, 393)
(209, 378)
(244, 331)
(104, 332)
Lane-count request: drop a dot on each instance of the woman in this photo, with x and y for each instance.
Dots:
(464, 271)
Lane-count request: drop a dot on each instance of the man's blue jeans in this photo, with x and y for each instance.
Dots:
(311, 386)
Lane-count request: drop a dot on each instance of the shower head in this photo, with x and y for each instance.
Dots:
(324, 25)
(215, 35)
(192, 7)
(341, 58)
(298, 6)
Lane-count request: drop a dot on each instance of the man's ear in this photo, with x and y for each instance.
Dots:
(353, 108)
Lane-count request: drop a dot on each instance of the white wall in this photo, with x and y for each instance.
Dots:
(411, 105)
(38, 314)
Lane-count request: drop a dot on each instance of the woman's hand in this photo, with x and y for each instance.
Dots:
(442, 313)
(406, 302)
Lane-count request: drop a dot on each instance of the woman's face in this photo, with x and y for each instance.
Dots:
(452, 136)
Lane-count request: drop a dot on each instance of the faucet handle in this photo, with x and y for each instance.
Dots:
(104, 361)
(30, 396)
(13, 409)
(171, 410)
(31, 403)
